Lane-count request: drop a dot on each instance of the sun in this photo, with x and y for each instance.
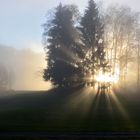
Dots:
(107, 77)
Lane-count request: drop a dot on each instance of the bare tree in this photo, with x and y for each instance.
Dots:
(137, 51)
(120, 38)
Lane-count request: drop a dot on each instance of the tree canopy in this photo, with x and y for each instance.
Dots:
(74, 49)
(80, 48)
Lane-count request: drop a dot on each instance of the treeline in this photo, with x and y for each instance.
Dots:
(6, 68)
(79, 47)
(6, 78)
(21, 69)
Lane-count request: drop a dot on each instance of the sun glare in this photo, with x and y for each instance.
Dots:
(108, 77)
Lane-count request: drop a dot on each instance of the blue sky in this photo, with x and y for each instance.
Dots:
(21, 20)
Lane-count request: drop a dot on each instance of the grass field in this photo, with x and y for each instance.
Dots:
(69, 110)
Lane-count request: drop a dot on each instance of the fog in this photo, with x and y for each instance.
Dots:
(25, 68)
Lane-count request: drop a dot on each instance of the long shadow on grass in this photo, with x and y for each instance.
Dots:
(69, 109)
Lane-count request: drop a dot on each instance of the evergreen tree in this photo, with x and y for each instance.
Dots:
(74, 53)
(61, 46)
(92, 31)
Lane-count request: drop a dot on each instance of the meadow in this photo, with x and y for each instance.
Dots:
(69, 110)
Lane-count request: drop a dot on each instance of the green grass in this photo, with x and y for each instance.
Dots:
(68, 110)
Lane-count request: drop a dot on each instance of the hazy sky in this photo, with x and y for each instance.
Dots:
(21, 20)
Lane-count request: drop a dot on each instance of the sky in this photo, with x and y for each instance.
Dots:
(20, 29)
(21, 20)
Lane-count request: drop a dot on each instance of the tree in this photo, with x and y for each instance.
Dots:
(120, 29)
(138, 54)
(92, 37)
(61, 44)
(75, 51)
(4, 78)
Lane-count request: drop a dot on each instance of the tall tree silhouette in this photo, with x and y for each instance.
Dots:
(62, 50)
(92, 31)
(74, 53)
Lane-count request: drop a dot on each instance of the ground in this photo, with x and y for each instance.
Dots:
(69, 110)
